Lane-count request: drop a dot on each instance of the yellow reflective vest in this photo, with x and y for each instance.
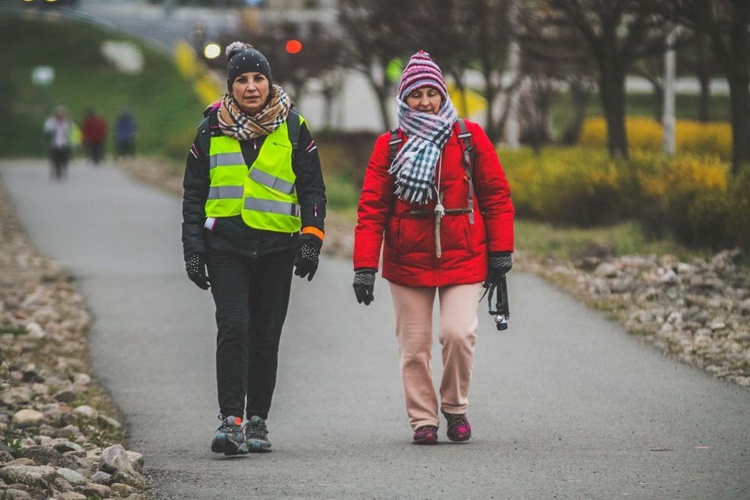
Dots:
(264, 193)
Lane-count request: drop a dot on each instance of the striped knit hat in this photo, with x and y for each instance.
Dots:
(421, 71)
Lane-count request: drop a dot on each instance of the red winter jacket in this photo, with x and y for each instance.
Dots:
(409, 255)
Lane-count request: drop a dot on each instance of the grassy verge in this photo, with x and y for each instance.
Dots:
(563, 243)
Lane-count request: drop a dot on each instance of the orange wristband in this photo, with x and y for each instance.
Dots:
(314, 231)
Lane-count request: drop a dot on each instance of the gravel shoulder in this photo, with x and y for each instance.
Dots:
(62, 436)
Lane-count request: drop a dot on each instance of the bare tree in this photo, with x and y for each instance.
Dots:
(697, 59)
(616, 33)
(727, 24)
(491, 38)
(373, 40)
(555, 50)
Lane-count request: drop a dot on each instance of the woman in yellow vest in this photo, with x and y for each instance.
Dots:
(253, 211)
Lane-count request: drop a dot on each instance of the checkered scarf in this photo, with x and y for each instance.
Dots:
(235, 123)
(414, 165)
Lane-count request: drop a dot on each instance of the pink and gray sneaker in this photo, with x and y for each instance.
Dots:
(427, 434)
(459, 428)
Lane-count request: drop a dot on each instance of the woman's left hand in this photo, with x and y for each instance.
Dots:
(500, 264)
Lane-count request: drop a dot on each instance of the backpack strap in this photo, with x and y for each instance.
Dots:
(394, 145)
(204, 136)
(293, 126)
(464, 136)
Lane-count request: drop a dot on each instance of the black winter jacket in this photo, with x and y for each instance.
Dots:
(231, 234)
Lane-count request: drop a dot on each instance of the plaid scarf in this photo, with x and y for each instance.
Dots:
(414, 165)
(235, 123)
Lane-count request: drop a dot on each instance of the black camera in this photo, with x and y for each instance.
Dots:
(501, 322)
(501, 312)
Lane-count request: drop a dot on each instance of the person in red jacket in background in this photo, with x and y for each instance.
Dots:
(94, 130)
(447, 226)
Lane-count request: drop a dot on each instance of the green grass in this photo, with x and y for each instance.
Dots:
(622, 239)
(161, 100)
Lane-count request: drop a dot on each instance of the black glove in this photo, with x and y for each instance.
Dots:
(500, 264)
(195, 265)
(364, 285)
(308, 256)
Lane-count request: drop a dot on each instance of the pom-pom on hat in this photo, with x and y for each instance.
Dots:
(243, 58)
(421, 71)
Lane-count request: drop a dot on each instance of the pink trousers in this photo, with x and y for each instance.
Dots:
(457, 335)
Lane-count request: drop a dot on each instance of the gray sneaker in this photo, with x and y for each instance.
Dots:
(229, 438)
(256, 435)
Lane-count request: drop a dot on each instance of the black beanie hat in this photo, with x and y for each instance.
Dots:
(243, 58)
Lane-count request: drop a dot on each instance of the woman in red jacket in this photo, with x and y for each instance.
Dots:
(446, 223)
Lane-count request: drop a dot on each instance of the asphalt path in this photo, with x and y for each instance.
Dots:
(564, 404)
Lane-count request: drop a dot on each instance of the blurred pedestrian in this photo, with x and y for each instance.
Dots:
(126, 131)
(94, 132)
(436, 197)
(61, 134)
(253, 213)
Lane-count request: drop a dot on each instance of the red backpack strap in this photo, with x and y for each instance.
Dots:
(394, 144)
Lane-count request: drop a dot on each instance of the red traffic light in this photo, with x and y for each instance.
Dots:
(293, 46)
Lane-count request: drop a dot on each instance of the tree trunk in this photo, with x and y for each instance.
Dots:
(490, 94)
(512, 126)
(704, 99)
(612, 91)
(579, 96)
(381, 93)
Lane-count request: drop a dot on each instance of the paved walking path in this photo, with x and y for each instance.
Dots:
(564, 404)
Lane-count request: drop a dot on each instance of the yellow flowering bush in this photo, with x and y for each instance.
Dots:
(567, 185)
(704, 138)
(659, 175)
(687, 196)
(713, 138)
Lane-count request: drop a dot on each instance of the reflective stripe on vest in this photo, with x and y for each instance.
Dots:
(264, 195)
(227, 173)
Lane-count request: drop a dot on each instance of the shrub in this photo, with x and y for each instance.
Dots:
(708, 221)
(646, 134)
(739, 202)
(643, 133)
(688, 197)
(571, 186)
(704, 138)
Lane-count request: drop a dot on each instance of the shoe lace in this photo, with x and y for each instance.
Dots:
(227, 425)
(256, 429)
(456, 420)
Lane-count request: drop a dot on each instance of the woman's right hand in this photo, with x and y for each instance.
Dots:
(364, 285)
(195, 265)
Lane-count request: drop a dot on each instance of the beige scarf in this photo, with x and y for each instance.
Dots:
(235, 123)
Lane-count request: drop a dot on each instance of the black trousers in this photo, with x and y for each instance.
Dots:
(59, 159)
(96, 152)
(252, 298)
